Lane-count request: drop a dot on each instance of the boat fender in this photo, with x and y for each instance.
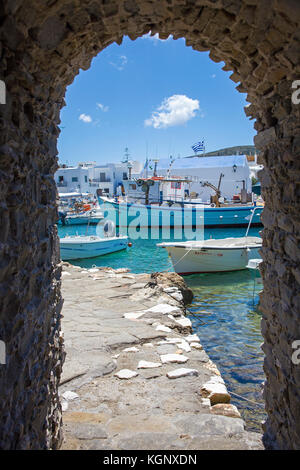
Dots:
(129, 244)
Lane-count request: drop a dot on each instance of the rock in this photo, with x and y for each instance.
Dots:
(184, 346)
(164, 328)
(170, 358)
(196, 346)
(133, 349)
(69, 396)
(216, 391)
(164, 309)
(184, 322)
(182, 372)
(225, 409)
(210, 425)
(170, 290)
(126, 374)
(192, 339)
(171, 341)
(64, 405)
(177, 296)
(148, 345)
(89, 431)
(173, 280)
(133, 315)
(148, 365)
(205, 402)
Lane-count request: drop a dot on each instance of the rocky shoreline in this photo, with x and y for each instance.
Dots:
(135, 375)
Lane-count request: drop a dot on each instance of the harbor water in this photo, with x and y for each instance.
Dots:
(225, 314)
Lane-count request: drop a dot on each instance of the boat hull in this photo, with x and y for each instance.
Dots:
(210, 260)
(125, 214)
(80, 220)
(74, 248)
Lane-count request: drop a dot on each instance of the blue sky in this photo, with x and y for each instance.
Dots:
(151, 96)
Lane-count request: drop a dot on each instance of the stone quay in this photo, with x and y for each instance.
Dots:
(135, 375)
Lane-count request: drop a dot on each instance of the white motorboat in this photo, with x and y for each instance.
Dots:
(207, 256)
(91, 246)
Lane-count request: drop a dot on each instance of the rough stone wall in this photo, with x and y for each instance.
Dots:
(43, 45)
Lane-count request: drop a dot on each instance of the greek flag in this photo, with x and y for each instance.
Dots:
(146, 164)
(198, 147)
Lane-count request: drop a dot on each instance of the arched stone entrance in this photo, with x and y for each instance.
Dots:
(43, 46)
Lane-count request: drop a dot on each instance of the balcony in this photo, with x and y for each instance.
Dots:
(62, 184)
(101, 180)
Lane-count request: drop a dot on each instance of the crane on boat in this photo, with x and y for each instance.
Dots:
(215, 198)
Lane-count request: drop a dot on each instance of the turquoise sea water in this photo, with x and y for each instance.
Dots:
(224, 313)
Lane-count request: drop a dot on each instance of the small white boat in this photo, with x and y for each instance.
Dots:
(208, 256)
(92, 217)
(80, 247)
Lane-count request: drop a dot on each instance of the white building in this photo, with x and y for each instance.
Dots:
(201, 170)
(87, 177)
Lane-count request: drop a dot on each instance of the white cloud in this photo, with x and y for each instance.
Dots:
(102, 107)
(85, 118)
(173, 111)
(120, 62)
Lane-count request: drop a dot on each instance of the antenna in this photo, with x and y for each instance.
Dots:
(126, 155)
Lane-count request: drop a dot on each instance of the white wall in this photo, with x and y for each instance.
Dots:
(231, 182)
(68, 185)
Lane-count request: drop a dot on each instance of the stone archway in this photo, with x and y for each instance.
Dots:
(43, 46)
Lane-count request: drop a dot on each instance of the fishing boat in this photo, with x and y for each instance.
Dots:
(209, 256)
(178, 214)
(92, 217)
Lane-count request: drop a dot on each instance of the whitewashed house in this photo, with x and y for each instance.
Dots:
(87, 177)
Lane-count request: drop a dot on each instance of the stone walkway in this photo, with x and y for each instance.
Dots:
(117, 324)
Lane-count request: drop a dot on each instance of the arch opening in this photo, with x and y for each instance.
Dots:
(43, 48)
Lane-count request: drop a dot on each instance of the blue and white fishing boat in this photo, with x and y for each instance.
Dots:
(92, 217)
(179, 214)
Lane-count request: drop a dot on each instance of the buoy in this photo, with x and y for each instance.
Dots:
(129, 244)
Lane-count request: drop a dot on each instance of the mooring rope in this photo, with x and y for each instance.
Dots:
(247, 399)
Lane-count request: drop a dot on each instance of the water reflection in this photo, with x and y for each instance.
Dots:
(226, 316)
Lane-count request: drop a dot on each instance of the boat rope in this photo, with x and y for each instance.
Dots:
(173, 265)
(247, 399)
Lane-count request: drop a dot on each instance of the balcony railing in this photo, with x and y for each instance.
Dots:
(101, 180)
(62, 184)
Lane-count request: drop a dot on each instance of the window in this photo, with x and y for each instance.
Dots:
(85, 178)
(176, 185)
(124, 176)
(102, 177)
(132, 186)
(106, 190)
(60, 179)
(74, 179)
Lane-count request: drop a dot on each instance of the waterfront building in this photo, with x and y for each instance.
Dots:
(87, 177)
(230, 172)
